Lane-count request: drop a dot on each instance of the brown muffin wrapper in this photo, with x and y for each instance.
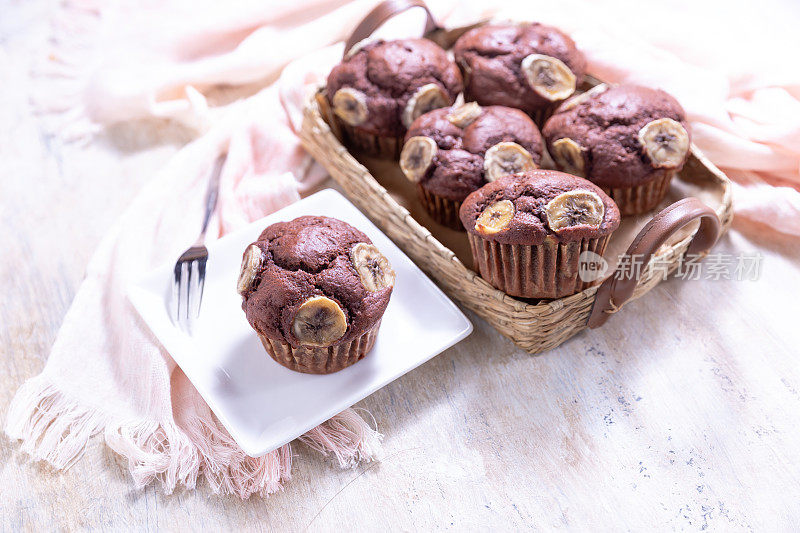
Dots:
(548, 270)
(443, 211)
(365, 143)
(353, 138)
(643, 198)
(321, 360)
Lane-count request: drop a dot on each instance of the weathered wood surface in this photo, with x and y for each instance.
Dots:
(682, 412)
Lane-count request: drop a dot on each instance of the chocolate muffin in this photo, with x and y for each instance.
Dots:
(629, 140)
(451, 152)
(380, 87)
(530, 66)
(315, 289)
(528, 231)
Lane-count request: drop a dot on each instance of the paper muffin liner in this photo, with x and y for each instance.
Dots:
(365, 143)
(544, 271)
(321, 360)
(354, 138)
(643, 198)
(443, 210)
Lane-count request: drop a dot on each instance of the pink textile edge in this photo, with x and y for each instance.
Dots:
(56, 429)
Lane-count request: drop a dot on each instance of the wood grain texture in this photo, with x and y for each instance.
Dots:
(681, 413)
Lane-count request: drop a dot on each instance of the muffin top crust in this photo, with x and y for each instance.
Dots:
(464, 159)
(314, 281)
(620, 136)
(529, 207)
(382, 86)
(519, 65)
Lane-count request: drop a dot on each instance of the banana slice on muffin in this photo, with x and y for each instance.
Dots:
(506, 158)
(417, 157)
(251, 264)
(465, 114)
(426, 98)
(495, 218)
(575, 208)
(549, 77)
(350, 105)
(569, 156)
(319, 322)
(372, 266)
(666, 142)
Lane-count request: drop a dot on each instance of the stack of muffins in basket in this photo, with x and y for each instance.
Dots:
(470, 130)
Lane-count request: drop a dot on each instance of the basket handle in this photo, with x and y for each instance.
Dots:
(383, 12)
(618, 288)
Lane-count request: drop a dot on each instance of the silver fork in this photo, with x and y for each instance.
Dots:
(189, 275)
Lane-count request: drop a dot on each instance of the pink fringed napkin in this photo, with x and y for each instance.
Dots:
(107, 373)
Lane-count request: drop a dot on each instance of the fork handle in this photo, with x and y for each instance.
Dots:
(211, 195)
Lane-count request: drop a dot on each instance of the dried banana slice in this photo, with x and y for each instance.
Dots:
(665, 141)
(372, 266)
(350, 105)
(426, 98)
(495, 218)
(573, 208)
(465, 114)
(506, 158)
(417, 156)
(319, 322)
(597, 89)
(549, 76)
(251, 262)
(569, 156)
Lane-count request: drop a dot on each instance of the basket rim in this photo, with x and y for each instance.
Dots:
(313, 113)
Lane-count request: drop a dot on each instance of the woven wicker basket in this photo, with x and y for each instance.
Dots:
(686, 225)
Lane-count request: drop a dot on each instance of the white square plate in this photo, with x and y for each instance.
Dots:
(262, 404)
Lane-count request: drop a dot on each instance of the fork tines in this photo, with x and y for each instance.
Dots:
(187, 286)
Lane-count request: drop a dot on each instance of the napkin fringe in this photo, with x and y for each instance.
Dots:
(56, 429)
(179, 456)
(52, 427)
(348, 437)
(155, 451)
(228, 470)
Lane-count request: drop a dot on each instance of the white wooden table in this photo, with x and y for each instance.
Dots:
(682, 412)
